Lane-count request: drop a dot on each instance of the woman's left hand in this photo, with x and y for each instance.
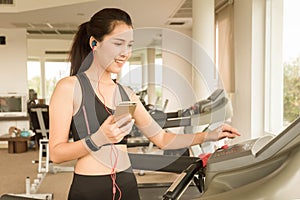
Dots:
(223, 131)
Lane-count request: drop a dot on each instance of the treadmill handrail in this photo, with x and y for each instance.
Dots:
(164, 163)
(183, 180)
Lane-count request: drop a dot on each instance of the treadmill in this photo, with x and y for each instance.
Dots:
(265, 168)
(262, 168)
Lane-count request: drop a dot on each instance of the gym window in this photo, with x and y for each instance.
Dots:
(42, 77)
(282, 63)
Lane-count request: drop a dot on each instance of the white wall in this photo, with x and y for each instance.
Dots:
(177, 69)
(242, 44)
(13, 70)
(203, 48)
(13, 58)
(249, 33)
(258, 69)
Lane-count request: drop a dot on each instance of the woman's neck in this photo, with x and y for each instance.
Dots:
(99, 75)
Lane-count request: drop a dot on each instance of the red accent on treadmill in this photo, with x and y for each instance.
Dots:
(204, 157)
(225, 146)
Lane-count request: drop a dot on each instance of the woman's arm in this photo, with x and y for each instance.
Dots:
(168, 140)
(60, 113)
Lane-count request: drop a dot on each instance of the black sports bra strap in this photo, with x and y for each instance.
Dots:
(123, 93)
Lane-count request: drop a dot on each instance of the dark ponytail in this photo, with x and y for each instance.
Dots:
(102, 23)
(80, 48)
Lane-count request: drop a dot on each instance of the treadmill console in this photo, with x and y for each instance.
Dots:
(249, 147)
(253, 151)
(234, 151)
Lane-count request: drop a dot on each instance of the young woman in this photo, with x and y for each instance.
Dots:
(84, 103)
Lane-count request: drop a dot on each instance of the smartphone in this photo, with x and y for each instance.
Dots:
(124, 108)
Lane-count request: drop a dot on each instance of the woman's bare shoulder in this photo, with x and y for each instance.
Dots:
(67, 81)
(65, 87)
(66, 84)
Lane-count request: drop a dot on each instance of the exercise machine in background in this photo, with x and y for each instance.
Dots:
(39, 118)
(214, 108)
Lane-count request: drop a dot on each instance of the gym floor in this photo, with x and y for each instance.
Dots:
(16, 167)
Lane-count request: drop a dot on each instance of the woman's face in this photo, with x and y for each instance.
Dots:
(115, 49)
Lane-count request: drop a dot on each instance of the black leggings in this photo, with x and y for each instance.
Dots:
(85, 187)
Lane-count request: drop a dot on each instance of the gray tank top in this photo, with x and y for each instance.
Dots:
(93, 108)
